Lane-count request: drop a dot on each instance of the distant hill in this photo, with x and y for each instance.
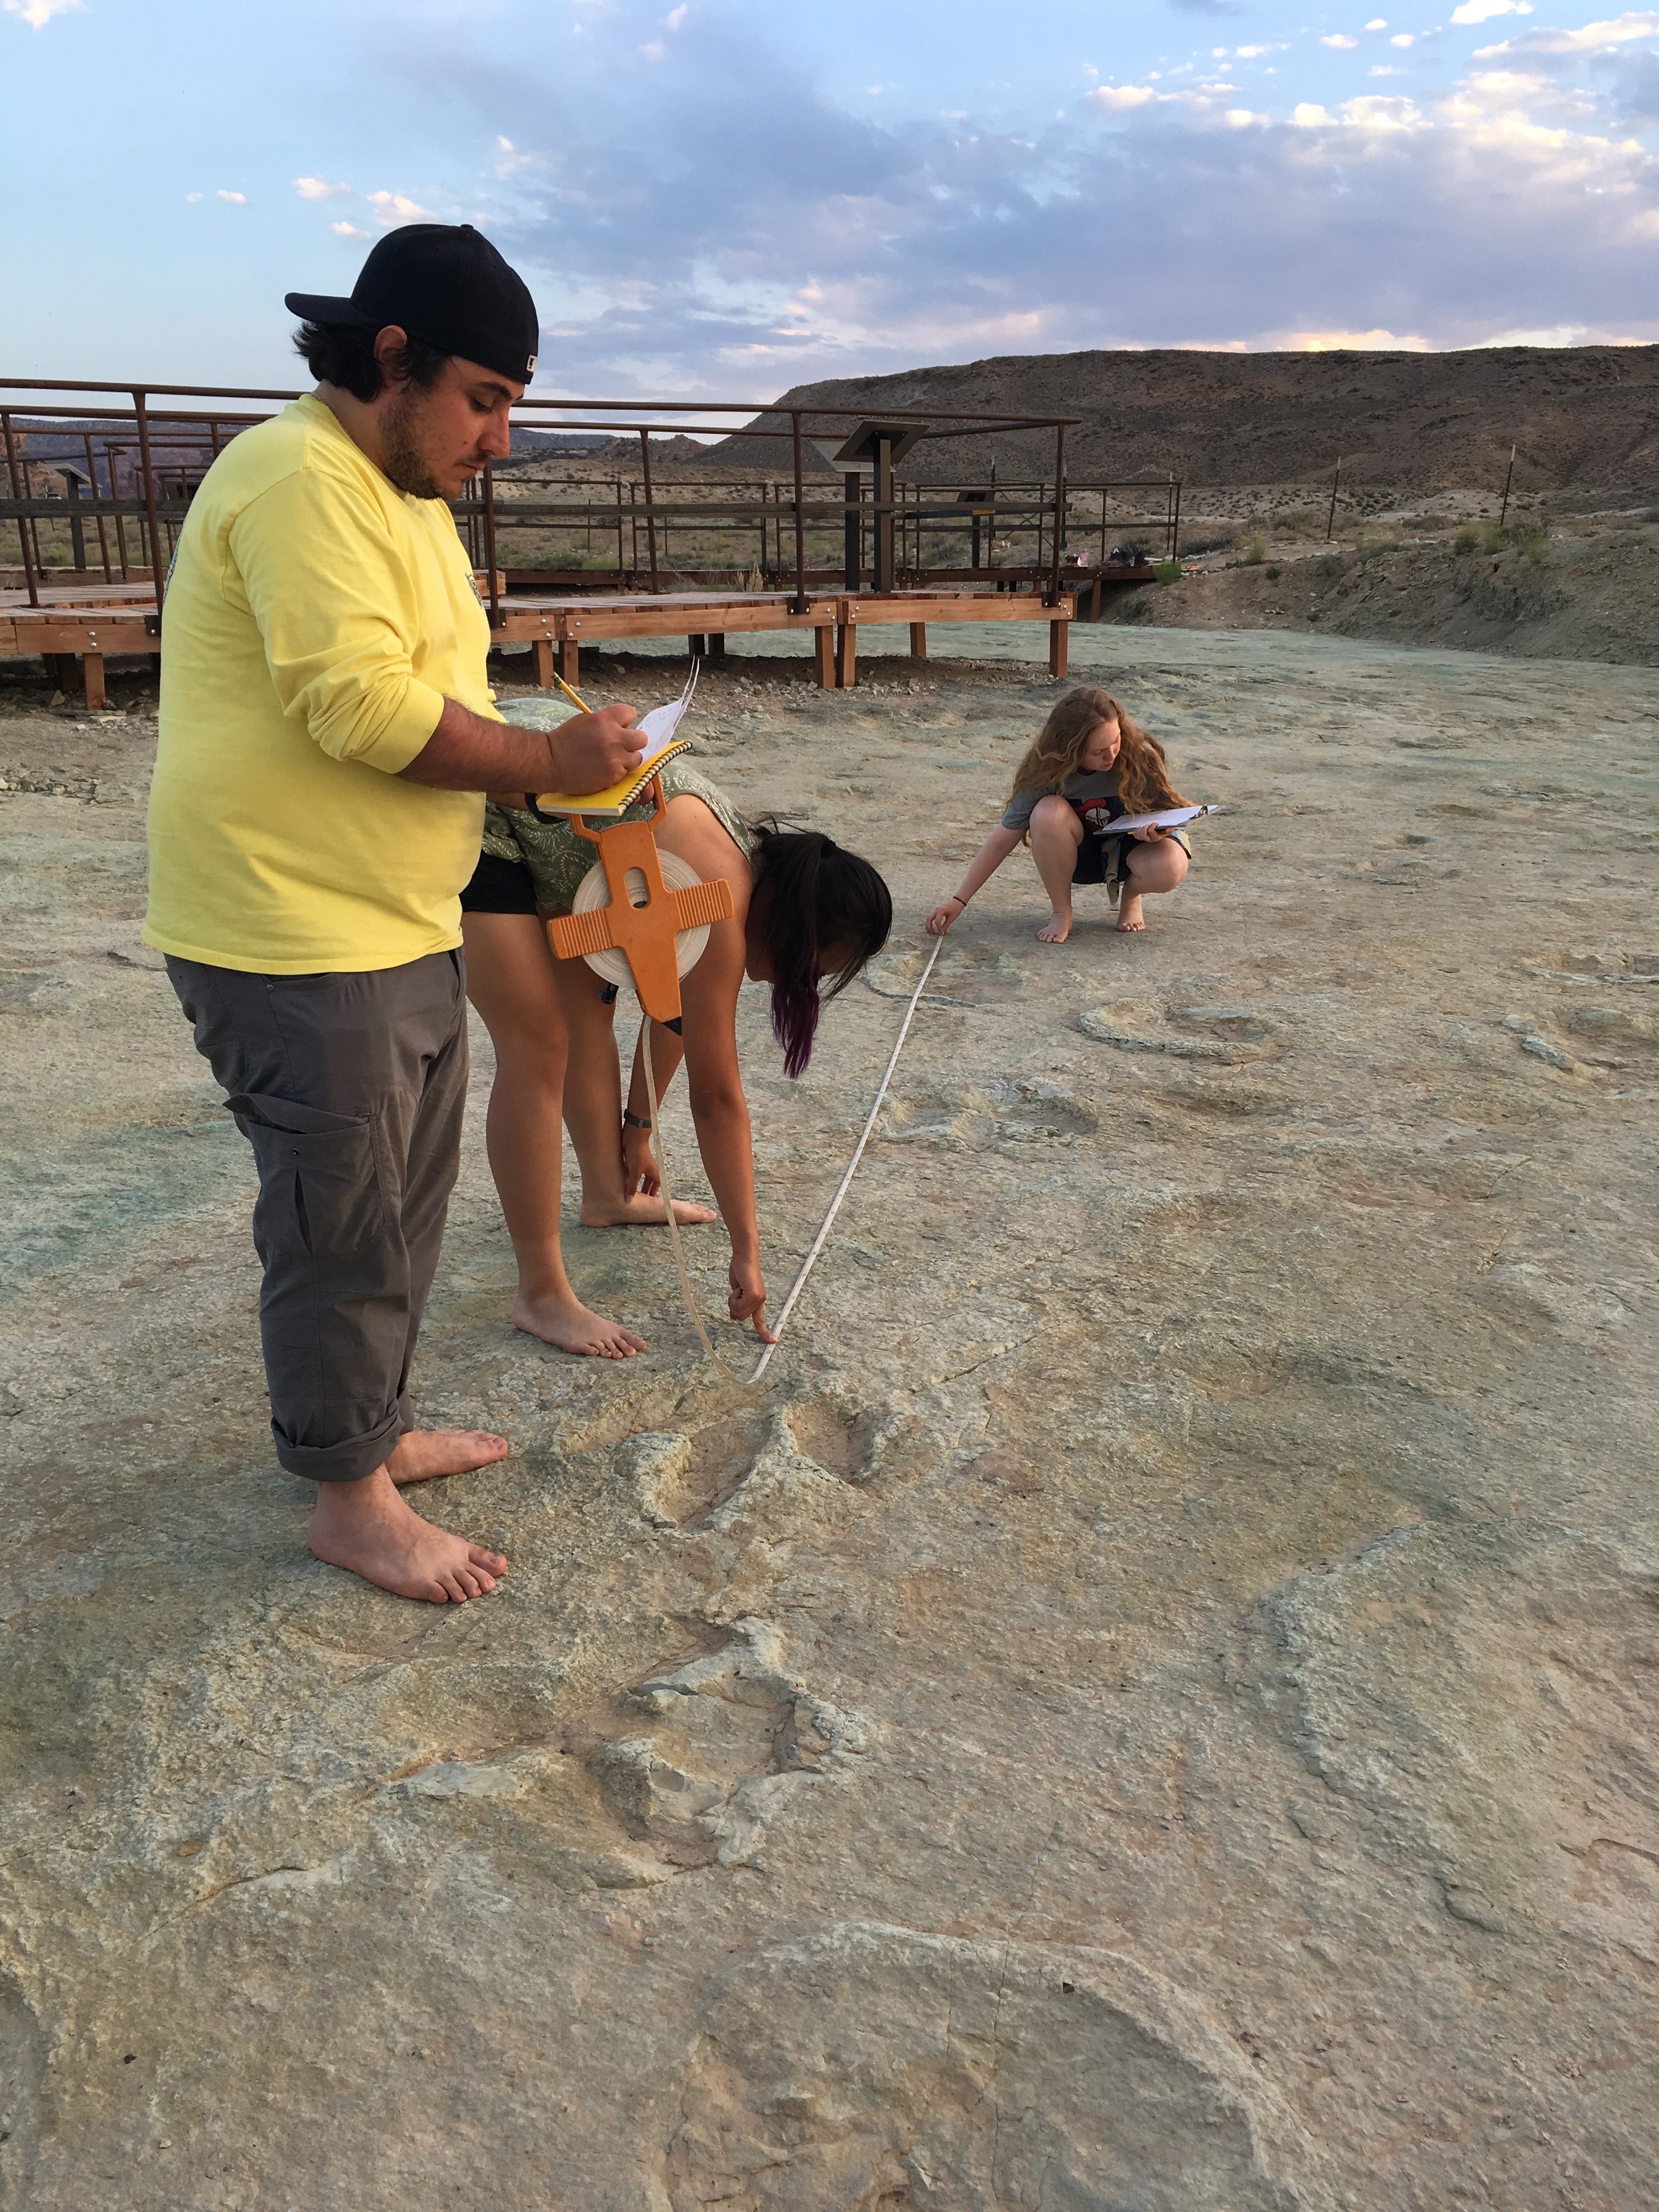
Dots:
(1581, 415)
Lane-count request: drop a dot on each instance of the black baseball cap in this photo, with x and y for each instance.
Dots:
(445, 284)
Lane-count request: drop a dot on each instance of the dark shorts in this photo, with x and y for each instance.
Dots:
(499, 886)
(1105, 860)
(1099, 860)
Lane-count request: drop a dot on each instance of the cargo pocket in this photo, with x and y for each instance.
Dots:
(320, 1178)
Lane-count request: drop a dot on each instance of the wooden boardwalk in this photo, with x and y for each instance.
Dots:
(76, 628)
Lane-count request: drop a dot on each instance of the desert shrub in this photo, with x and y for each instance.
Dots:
(1254, 554)
(1213, 541)
(1303, 522)
(1168, 571)
(1273, 574)
(1528, 537)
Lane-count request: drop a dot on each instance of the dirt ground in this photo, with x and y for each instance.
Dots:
(1157, 1706)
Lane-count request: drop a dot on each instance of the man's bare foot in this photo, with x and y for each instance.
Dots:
(567, 1324)
(369, 1529)
(1056, 929)
(1130, 914)
(423, 1454)
(643, 1212)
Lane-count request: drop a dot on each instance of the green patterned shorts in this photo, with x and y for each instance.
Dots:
(557, 857)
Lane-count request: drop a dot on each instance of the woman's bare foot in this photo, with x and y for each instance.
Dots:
(423, 1454)
(1131, 915)
(567, 1324)
(1056, 929)
(643, 1212)
(369, 1529)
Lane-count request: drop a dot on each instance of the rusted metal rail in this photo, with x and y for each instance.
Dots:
(170, 432)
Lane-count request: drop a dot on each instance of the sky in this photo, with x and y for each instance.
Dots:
(725, 198)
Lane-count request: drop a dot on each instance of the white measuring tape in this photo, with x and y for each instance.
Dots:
(822, 1238)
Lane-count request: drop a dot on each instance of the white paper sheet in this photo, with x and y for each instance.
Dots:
(1169, 818)
(658, 728)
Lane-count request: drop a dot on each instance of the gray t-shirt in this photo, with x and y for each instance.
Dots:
(1092, 791)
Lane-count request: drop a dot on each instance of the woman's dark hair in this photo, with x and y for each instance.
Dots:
(818, 900)
(343, 354)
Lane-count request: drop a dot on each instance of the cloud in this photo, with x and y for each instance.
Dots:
(1149, 213)
(1348, 341)
(1592, 39)
(393, 208)
(1377, 23)
(347, 230)
(1482, 11)
(194, 197)
(673, 19)
(1403, 39)
(38, 13)
(1342, 41)
(318, 188)
(235, 199)
(1374, 113)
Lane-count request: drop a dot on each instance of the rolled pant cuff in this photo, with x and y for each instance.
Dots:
(344, 1462)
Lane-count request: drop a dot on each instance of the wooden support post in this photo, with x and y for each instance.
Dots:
(697, 644)
(1059, 638)
(716, 644)
(824, 653)
(918, 640)
(570, 661)
(847, 651)
(92, 666)
(541, 662)
(1095, 590)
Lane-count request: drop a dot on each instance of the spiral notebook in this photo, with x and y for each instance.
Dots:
(658, 731)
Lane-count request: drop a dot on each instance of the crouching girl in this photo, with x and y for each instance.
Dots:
(1092, 762)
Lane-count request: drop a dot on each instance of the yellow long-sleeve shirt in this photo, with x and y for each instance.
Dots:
(316, 620)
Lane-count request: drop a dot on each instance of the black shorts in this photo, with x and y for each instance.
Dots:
(1099, 860)
(499, 886)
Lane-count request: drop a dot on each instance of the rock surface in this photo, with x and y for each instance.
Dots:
(1157, 1708)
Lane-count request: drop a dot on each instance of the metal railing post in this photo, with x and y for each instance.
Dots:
(1059, 515)
(157, 568)
(20, 495)
(799, 605)
(650, 512)
(489, 545)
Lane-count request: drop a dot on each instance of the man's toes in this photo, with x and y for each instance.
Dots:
(491, 1561)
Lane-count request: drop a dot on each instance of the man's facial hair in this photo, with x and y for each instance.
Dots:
(404, 462)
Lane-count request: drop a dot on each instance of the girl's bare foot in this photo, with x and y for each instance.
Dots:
(566, 1323)
(643, 1212)
(1056, 929)
(423, 1454)
(369, 1529)
(1131, 915)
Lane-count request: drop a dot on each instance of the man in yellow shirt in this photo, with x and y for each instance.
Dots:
(327, 734)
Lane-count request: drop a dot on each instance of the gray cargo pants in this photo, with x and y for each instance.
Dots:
(350, 1089)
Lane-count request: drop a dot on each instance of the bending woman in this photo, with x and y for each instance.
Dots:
(804, 913)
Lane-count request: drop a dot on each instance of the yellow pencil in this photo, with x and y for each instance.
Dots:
(570, 694)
